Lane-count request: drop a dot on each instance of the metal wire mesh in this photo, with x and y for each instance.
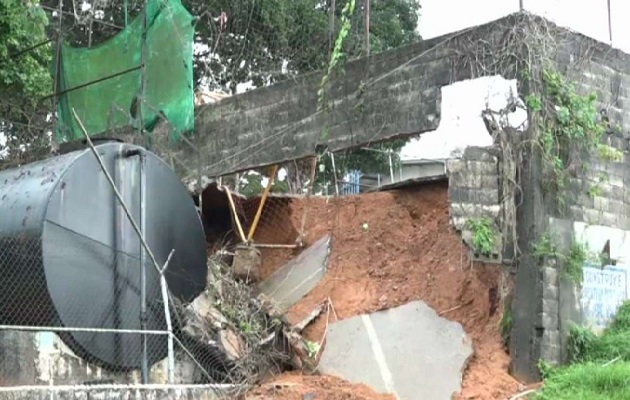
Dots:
(281, 221)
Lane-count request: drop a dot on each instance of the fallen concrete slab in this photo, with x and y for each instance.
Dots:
(408, 351)
(299, 276)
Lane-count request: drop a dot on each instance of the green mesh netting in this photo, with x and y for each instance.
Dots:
(113, 102)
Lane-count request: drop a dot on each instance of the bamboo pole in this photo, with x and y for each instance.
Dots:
(272, 175)
(239, 227)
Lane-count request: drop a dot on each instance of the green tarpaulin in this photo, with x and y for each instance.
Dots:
(113, 102)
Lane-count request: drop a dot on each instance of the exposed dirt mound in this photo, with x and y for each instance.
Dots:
(407, 251)
(314, 387)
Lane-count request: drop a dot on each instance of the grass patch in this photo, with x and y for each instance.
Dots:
(600, 366)
(587, 381)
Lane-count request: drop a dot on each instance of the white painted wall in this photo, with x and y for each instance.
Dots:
(604, 288)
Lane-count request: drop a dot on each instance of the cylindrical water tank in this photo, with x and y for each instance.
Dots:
(69, 256)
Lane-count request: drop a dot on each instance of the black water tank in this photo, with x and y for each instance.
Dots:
(69, 256)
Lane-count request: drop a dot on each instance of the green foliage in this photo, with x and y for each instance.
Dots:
(275, 38)
(609, 153)
(24, 74)
(544, 368)
(587, 382)
(251, 186)
(545, 247)
(483, 236)
(570, 126)
(594, 191)
(580, 343)
(600, 364)
(574, 264)
(312, 348)
(505, 325)
(336, 54)
(571, 261)
(621, 322)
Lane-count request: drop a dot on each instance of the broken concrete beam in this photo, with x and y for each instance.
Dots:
(203, 308)
(408, 351)
(246, 263)
(231, 344)
(299, 276)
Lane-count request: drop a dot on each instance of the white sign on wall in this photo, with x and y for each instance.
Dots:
(603, 291)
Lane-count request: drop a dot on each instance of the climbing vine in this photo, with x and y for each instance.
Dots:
(336, 56)
(571, 261)
(570, 128)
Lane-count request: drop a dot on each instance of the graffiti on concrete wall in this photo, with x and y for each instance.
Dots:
(603, 291)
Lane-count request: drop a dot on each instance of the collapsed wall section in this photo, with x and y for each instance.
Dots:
(474, 196)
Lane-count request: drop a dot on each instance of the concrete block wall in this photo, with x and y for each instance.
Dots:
(597, 197)
(474, 193)
(41, 358)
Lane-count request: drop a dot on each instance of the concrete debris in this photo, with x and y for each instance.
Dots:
(299, 276)
(231, 344)
(408, 351)
(246, 263)
(311, 317)
(202, 307)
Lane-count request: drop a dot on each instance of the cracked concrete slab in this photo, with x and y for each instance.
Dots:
(408, 351)
(299, 276)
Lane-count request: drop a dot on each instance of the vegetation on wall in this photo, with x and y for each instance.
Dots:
(483, 235)
(570, 261)
(570, 129)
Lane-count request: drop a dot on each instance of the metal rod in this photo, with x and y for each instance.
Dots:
(116, 192)
(391, 169)
(167, 316)
(81, 86)
(263, 199)
(332, 157)
(610, 33)
(143, 56)
(26, 50)
(56, 80)
(331, 23)
(367, 28)
(275, 246)
(143, 273)
(76, 329)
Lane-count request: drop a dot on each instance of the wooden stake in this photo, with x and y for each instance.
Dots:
(239, 227)
(263, 199)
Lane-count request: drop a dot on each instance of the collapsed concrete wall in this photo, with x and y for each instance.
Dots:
(474, 194)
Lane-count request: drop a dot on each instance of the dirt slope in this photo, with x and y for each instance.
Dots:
(408, 252)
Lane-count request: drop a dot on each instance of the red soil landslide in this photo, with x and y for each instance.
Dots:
(408, 252)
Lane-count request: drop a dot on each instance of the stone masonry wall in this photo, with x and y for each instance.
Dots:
(546, 302)
(474, 193)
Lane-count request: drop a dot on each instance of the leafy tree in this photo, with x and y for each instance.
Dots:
(25, 55)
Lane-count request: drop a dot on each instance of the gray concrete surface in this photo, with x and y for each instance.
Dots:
(112, 392)
(408, 351)
(299, 276)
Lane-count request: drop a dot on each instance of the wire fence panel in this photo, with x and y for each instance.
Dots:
(279, 224)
